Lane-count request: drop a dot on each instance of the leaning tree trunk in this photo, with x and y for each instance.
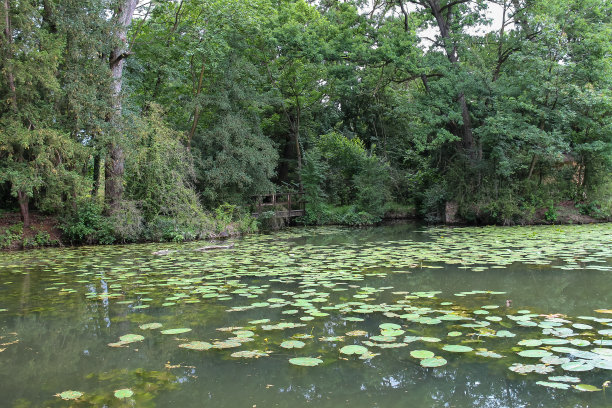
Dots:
(115, 162)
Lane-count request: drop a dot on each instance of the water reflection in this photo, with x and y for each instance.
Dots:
(65, 306)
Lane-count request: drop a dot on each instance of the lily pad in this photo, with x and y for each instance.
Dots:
(586, 387)
(123, 393)
(150, 326)
(564, 378)
(530, 343)
(550, 384)
(306, 361)
(249, 354)
(196, 345)
(534, 353)
(131, 338)
(389, 326)
(487, 353)
(290, 344)
(353, 349)
(455, 348)
(422, 354)
(175, 331)
(433, 362)
(70, 395)
(579, 365)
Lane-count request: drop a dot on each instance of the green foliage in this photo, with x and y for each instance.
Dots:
(226, 99)
(10, 235)
(551, 214)
(231, 219)
(339, 172)
(159, 170)
(41, 164)
(87, 225)
(41, 239)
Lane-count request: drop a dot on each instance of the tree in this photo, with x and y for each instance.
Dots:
(115, 161)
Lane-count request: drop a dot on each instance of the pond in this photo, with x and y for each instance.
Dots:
(392, 316)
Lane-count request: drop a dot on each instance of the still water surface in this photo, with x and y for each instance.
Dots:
(61, 308)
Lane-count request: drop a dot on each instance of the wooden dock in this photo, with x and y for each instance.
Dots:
(284, 205)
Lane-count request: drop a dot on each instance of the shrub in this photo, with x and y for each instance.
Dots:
(87, 225)
(551, 213)
(127, 222)
(10, 235)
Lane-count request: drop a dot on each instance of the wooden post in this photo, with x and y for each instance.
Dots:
(289, 205)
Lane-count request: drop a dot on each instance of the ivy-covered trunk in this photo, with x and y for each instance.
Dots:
(115, 162)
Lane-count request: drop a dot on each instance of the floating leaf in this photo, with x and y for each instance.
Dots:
(578, 366)
(70, 395)
(530, 343)
(356, 333)
(353, 349)
(557, 385)
(586, 387)
(123, 393)
(259, 321)
(389, 326)
(150, 326)
(290, 344)
(422, 354)
(554, 360)
(332, 338)
(249, 354)
(306, 361)
(175, 331)
(534, 353)
(131, 338)
(433, 362)
(196, 345)
(603, 351)
(564, 378)
(487, 353)
(455, 348)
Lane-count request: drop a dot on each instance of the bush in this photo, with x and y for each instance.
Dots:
(551, 213)
(10, 235)
(344, 183)
(41, 239)
(87, 225)
(127, 222)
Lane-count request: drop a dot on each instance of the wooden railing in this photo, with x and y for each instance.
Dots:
(285, 205)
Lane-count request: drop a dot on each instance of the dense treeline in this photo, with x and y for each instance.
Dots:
(132, 120)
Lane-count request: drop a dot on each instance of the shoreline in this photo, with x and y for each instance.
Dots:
(44, 231)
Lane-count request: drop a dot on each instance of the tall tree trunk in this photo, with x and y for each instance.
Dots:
(115, 163)
(297, 143)
(96, 175)
(450, 47)
(10, 78)
(24, 207)
(196, 113)
(22, 197)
